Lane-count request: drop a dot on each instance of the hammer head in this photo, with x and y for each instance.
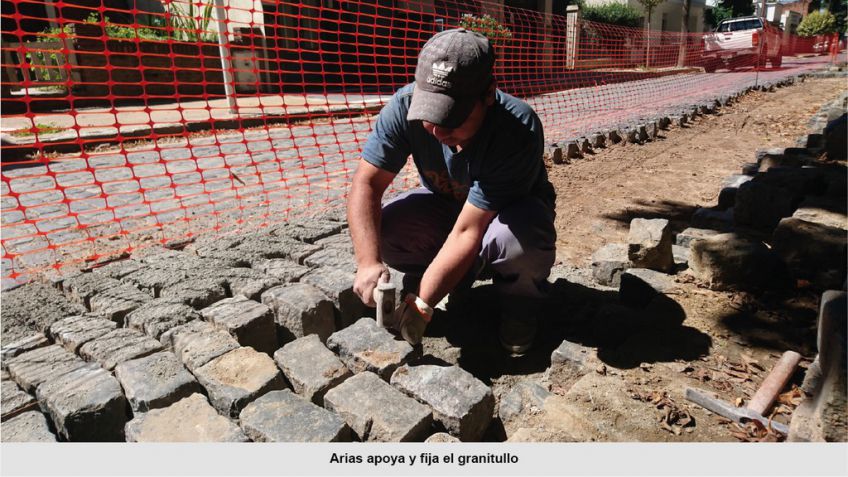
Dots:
(385, 297)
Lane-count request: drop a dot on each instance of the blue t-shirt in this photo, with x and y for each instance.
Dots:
(502, 164)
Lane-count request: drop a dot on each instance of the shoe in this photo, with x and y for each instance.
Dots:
(517, 332)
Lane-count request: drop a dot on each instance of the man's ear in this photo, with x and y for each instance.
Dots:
(490, 92)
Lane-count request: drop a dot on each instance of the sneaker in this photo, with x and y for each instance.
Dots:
(517, 332)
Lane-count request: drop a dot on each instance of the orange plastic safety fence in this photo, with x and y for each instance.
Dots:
(129, 123)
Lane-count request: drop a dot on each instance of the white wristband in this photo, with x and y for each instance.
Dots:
(423, 306)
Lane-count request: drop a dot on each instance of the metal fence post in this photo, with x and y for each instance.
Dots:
(572, 35)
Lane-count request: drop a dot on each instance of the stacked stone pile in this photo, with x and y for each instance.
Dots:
(248, 338)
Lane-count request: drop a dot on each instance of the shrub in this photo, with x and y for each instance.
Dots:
(817, 23)
(612, 13)
(487, 25)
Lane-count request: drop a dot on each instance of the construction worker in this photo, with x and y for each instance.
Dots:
(486, 207)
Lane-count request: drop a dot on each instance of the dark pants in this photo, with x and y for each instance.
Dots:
(517, 252)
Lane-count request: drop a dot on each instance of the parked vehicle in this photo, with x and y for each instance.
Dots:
(742, 41)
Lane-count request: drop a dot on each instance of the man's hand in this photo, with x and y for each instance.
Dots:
(411, 318)
(366, 281)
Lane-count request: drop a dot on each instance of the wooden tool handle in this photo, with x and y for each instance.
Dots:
(774, 382)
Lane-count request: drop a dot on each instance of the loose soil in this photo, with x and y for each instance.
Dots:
(717, 341)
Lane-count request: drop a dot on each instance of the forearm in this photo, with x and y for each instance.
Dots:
(453, 261)
(363, 216)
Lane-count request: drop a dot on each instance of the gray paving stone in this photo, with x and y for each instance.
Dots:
(75, 331)
(197, 292)
(14, 400)
(812, 251)
(33, 307)
(191, 419)
(155, 381)
(250, 323)
(441, 438)
(681, 257)
(119, 269)
(282, 268)
(85, 405)
(649, 244)
(608, 262)
(640, 285)
(686, 237)
(340, 241)
(82, 287)
(520, 398)
(118, 346)
(282, 416)
(248, 282)
(37, 366)
(311, 368)
(238, 377)
(727, 261)
(30, 426)
(160, 315)
(332, 258)
(115, 303)
(460, 402)
(366, 346)
(338, 285)
(276, 247)
(31, 342)
(308, 231)
(198, 342)
(375, 411)
(300, 310)
(152, 280)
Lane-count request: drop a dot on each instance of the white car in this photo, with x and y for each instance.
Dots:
(742, 41)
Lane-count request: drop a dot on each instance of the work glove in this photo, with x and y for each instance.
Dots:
(411, 318)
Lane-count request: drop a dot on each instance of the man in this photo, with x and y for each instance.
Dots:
(486, 204)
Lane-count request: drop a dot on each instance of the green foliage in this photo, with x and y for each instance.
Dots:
(487, 25)
(191, 25)
(817, 23)
(738, 8)
(714, 16)
(612, 13)
(38, 129)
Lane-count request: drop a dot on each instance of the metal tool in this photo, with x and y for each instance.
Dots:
(762, 400)
(385, 296)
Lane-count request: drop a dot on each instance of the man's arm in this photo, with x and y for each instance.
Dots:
(457, 255)
(363, 217)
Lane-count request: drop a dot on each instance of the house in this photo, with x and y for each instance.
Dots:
(667, 16)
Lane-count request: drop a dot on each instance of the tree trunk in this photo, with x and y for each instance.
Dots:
(684, 33)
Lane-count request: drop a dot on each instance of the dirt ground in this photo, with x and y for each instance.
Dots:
(717, 341)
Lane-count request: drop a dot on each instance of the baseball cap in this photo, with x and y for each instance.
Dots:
(454, 70)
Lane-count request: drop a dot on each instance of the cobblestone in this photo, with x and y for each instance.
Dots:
(31, 342)
(33, 307)
(155, 381)
(14, 400)
(37, 366)
(640, 285)
(608, 262)
(338, 285)
(460, 402)
(365, 346)
(160, 315)
(198, 292)
(198, 342)
(249, 322)
(117, 346)
(332, 258)
(82, 287)
(649, 244)
(191, 419)
(284, 269)
(30, 426)
(85, 405)
(311, 368)
(115, 303)
(376, 411)
(238, 377)
(152, 280)
(75, 331)
(282, 416)
(300, 310)
(119, 269)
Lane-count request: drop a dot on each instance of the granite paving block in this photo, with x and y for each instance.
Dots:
(608, 262)
(155, 381)
(198, 292)
(33, 307)
(14, 400)
(282, 416)
(118, 346)
(119, 269)
(340, 241)
(75, 331)
(191, 419)
(276, 247)
(282, 268)
(85, 405)
(248, 282)
(82, 287)
(442, 438)
(152, 280)
(366, 346)
(30, 426)
(308, 230)
(332, 258)
(649, 244)
(198, 342)
(115, 303)
(236, 378)
(29, 343)
(34, 367)
(375, 411)
(300, 310)
(522, 397)
(686, 237)
(338, 285)
(160, 315)
(311, 368)
(640, 285)
(460, 402)
(250, 323)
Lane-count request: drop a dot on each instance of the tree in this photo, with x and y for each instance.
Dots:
(817, 23)
(649, 6)
(684, 33)
(612, 13)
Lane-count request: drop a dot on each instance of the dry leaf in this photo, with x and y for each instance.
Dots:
(739, 402)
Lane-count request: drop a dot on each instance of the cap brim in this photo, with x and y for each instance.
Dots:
(438, 108)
